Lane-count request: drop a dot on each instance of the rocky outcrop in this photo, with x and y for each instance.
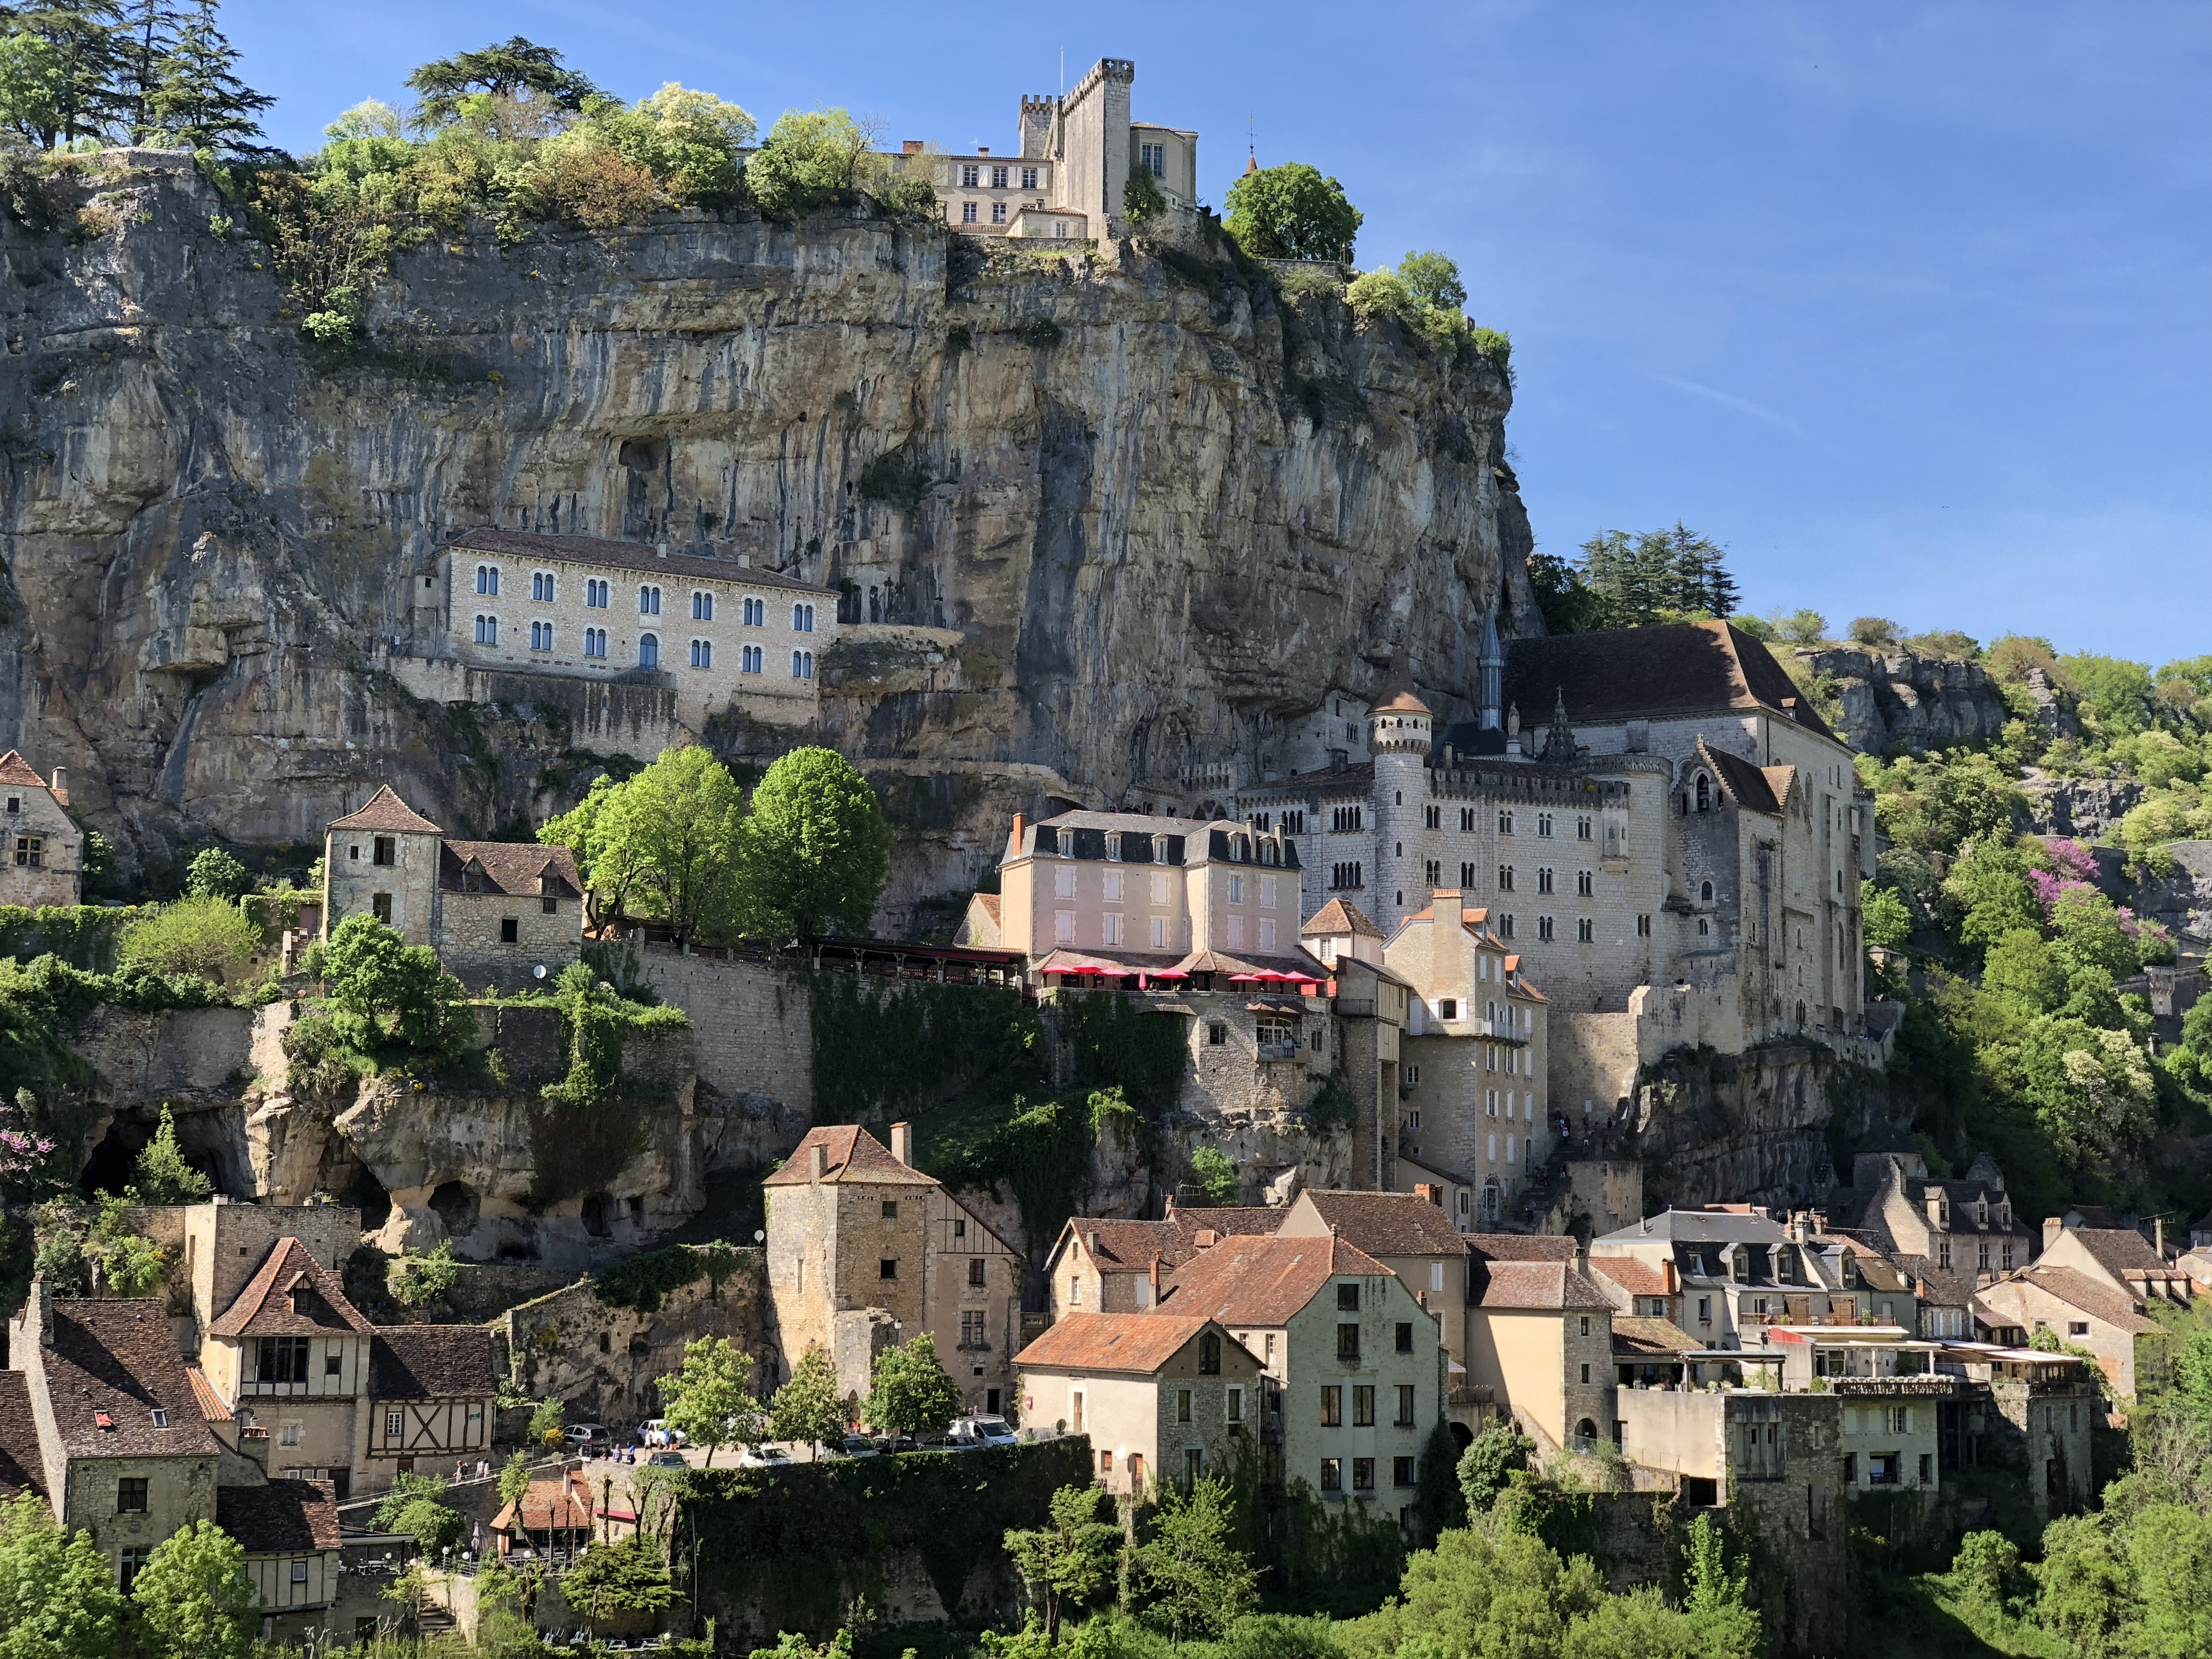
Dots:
(1905, 704)
(2084, 808)
(2180, 895)
(1759, 1127)
(1106, 516)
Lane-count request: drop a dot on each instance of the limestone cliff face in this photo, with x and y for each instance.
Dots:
(1101, 517)
(1901, 703)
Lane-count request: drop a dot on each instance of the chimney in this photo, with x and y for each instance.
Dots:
(1429, 1190)
(1205, 1238)
(2052, 1226)
(61, 786)
(983, 149)
(821, 1169)
(660, 549)
(1014, 842)
(1155, 1278)
(902, 1143)
(253, 1444)
(910, 146)
(1667, 1277)
(2157, 1227)
(1090, 1242)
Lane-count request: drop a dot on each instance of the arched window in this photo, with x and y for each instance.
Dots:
(749, 660)
(595, 641)
(1705, 891)
(802, 664)
(486, 630)
(756, 613)
(488, 579)
(1801, 1016)
(648, 651)
(648, 601)
(1586, 1432)
(1209, 1354)
(702, 606)
(702, 653)
(1705, 793)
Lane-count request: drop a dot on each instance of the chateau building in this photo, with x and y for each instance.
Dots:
(712, 635)
(1951, 1237)
(1073, 157)
(496, 912)
(866, 1251)
(41, 848)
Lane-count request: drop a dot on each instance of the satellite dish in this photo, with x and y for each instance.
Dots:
(539, 972)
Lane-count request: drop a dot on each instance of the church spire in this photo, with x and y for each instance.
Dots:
(1559, 741)
(1490, 667)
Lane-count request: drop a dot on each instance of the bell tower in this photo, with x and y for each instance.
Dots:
(1400, 730)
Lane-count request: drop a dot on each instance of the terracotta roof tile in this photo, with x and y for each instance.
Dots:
(555, 1503)
(1636, 1278)
(1632, 673)
(285, 1517)
(14, 769)
(212, 1409)
(1523, 1247)
(1339, 916)
(1233, 1220)
(1398, 695)
(431, 1361)
(1129, 1246)
(1263, 1281)
(517, 868)
(990, 902)
(854, 1155)
(1634, 1336)
(623, 556)
(1388, 1224)
(1137, 1343)
(2080, 1290)
(118, 1360)
(1544, 1285)
(22, 1467)
(385, 811)
(264, 1307)
(2120, 1251)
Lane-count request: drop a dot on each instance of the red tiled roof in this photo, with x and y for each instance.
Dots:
(2080, 1290)
(990, 903)
(22, 1467)
(1263, 1281)
(1636, 1278)
(212, 1409)
(854, 1155)
(1138, 1343)
(118, 1360)
(1387, 1224)
(517, 868)
(386, 811)
(1246, 1220)
(623, 556)
(14, 769)
(557, 1502)
(2120, 1251)
(285, 1517)
(1129, 1246)
(1398, 695)
(264, 1308)
(1547, 1286)
(1337, 916)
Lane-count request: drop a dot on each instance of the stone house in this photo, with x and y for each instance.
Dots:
(1371, 1004)
(342, 1401)
(702, 635)
(290, 1531)
(2131, 1349)
(41, 848)
(2027, 1411)
(1358, 1364)
(1106, 1264)
(866, 1251)
(496, 912)
(1738, 1271)
(1776, 1453)
(1165, 1398)
(2120, 1258)
(1891, 1387)
(1475, 1096)
(1064, 180)
(1951, 1238)
(1408, 1233)
(1539, 1336)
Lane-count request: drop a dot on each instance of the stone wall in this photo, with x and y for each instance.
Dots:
(1592, 1061)
(753, 1036)
(602, 1361)
(597, 717)
(471, 948)
(143, 1057)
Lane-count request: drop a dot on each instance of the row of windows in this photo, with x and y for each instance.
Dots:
(597, 595)
(1363, 1402)
(1363, 1474)
(751, 658)
(1346, 819)
(971, 176)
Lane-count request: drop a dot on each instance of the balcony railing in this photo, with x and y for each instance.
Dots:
(1893, 1387)
(1497, 1031)
(1279, 1050)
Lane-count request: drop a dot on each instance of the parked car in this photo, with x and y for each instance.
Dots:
(666, 1458)
(657, 1433)
(586, 1437)
(981, 1430)
(856, 1445)
(764, 1458)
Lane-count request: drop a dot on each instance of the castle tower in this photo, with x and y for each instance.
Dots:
(1038, 114)
(1400, 730)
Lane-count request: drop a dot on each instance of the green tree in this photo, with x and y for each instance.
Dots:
(687, 140)
(416, 1281)
(1214, 1174)
(1638, 1625)
(810, 159)
(416, 1506)
(1567, 604)
(1985, 1570)
(385, 991)
(1195, 1582)
(668, 841)
(192, 1596)
(546, 1424)
(516, 88)
(1068, 1561)
(2083, 1585)
(808, 1409)
(1141, 200)
(34, 86)
(815, 850)
(626, 1577)
(63, 73)
(1803, 627)
(515, 1478)
(1292, 212)
(57, 1597)
(213, 873)
(1886, 918)
(1490, 1462)
(194, 100)
(1433, 279)
(1656, 576)
(124, 1262)
(910, 1394)
(2170, 1549)
(709, 1399)
(161, 1175)
(1712, 1596)
(206, 938)
(1876, 633)
(2088, 934)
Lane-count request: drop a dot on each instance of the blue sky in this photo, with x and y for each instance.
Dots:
(1910, 306)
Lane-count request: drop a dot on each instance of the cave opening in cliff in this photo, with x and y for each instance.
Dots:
(367, 1193)
(455, 1204)
(596, 1209)
(113, 1164)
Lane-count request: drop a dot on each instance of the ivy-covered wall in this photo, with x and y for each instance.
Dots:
(82, 935)
(916, 1537)
(884, 1046)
